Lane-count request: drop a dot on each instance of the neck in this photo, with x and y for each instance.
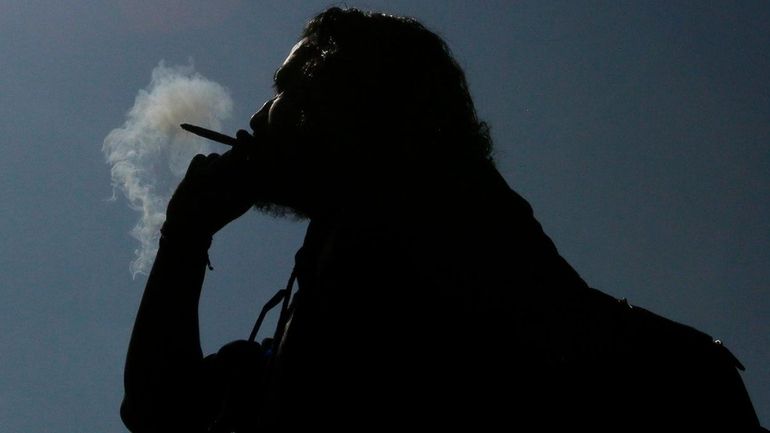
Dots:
(403, 193)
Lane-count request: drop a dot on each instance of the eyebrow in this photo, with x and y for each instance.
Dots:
(285, 76)
(291, 71)
(279, 79)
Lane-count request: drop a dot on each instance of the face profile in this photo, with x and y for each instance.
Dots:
(365, 112)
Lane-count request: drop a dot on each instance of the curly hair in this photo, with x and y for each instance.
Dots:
(397, 84)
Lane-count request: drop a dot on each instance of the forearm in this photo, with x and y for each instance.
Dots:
(163, 375)
(164, 355)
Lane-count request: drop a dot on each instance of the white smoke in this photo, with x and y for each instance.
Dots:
(149, 154)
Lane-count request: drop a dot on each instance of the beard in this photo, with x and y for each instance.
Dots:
(288, 175)
(276, 210)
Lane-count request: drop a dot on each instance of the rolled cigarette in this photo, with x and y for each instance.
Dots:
(211, 135)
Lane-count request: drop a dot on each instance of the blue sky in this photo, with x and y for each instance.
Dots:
(639, 132)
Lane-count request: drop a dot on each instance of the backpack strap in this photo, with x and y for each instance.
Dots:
(281, 295)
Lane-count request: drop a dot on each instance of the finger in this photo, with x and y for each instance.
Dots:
(198, 165)
(247, 144)
(211, 157)
(197, 160)
(244, 137)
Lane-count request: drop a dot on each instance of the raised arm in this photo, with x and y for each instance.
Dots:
(163, 380)
(162, 375)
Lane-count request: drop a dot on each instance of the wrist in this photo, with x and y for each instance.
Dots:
(184, 237)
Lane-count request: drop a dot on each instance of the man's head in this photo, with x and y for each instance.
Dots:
(368, 100)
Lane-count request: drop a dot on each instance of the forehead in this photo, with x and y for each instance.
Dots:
(291, 67)
(295, 50)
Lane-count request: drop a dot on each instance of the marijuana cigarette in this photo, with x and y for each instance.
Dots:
(211, 135)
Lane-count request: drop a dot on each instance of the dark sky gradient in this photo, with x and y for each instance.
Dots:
(639, 132)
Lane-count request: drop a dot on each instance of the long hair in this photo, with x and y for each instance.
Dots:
(394, 84)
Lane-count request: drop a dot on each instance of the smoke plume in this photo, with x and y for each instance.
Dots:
(149, 154)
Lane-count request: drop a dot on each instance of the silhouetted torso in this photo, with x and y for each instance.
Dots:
(455, 309)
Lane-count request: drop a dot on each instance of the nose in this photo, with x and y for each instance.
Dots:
(259, 119)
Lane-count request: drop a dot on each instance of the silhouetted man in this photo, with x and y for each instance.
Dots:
(428, 295)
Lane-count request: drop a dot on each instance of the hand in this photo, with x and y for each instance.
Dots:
(215, 190)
